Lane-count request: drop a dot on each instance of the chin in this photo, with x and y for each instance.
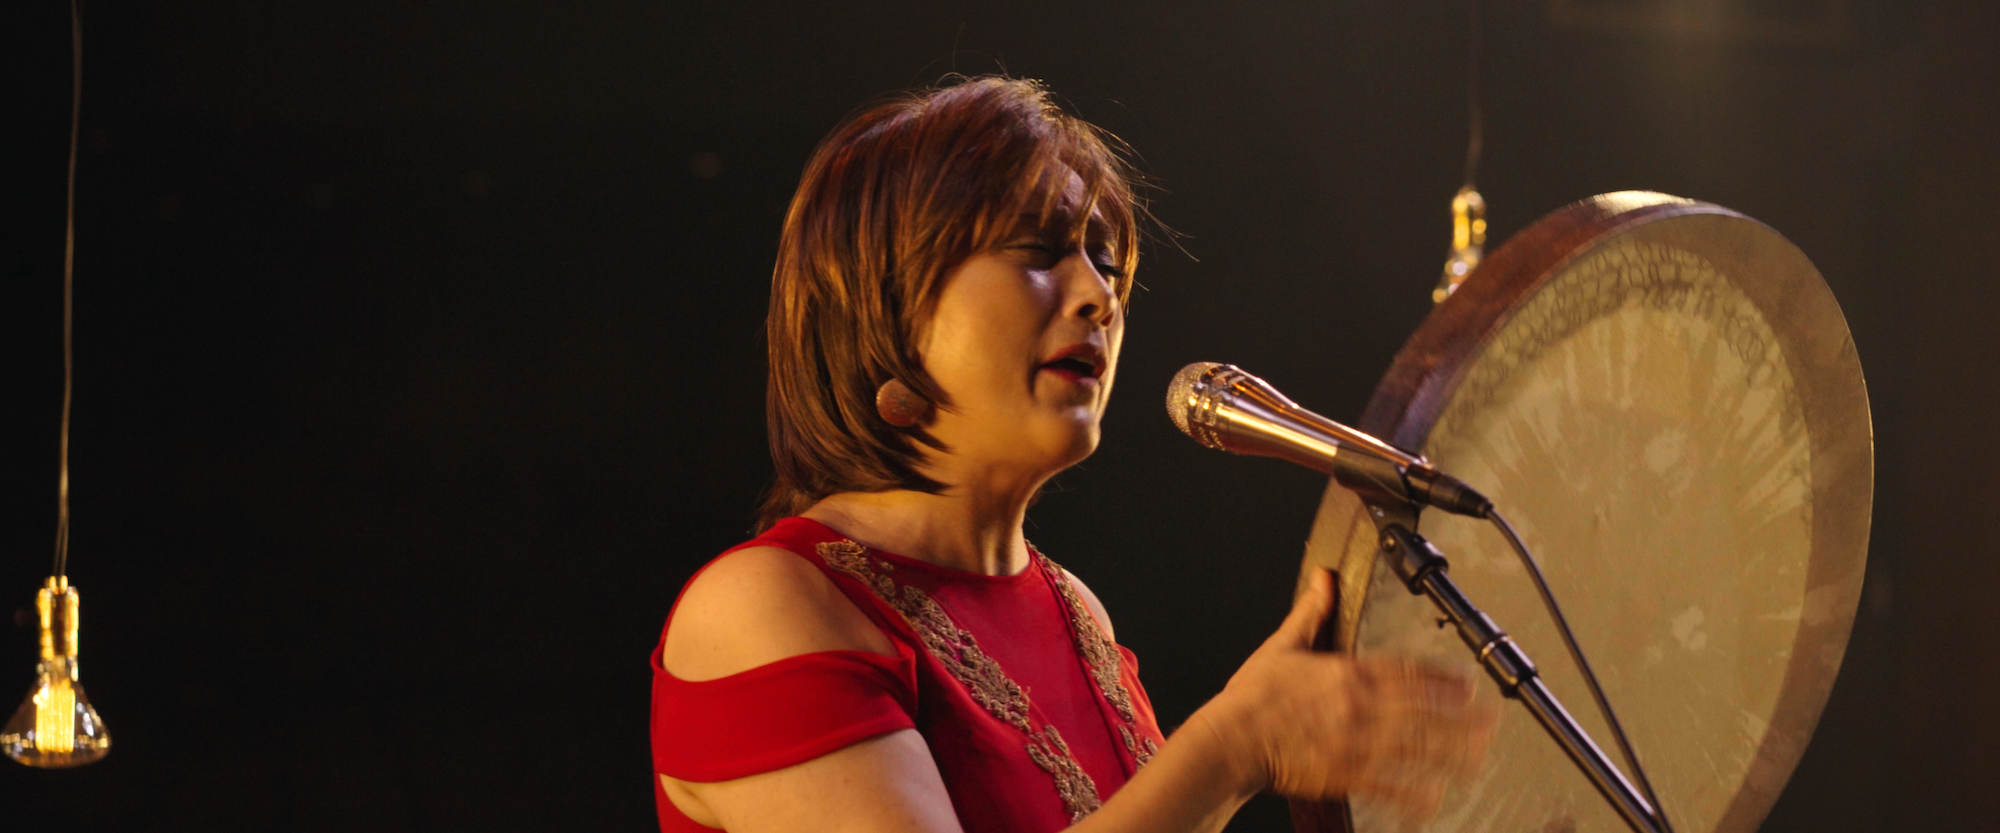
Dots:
(1059, 443)
(1082, 442)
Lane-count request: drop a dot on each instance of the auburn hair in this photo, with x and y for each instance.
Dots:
(893, 200)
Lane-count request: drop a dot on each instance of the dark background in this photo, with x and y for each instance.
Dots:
(418, 359)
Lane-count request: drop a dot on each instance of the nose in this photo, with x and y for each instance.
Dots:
(1088, 294)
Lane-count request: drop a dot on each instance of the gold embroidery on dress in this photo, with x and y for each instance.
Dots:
(1078, 792)
(957, 650)
(1096, 648)
(953, 646)
(1142, 749)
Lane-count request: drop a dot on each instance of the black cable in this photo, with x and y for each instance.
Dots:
(1475, 114)
(1583, 665)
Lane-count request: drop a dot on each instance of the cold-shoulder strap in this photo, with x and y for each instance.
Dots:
(776, 715)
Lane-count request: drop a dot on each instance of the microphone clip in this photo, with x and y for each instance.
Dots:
(1379, 481)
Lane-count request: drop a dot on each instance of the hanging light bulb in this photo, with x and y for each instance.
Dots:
(56, 726)
(1468, 208)
(1468, 242)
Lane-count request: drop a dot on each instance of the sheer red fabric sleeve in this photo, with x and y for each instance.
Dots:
(777, 715)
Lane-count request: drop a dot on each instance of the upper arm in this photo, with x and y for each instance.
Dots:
(887, 784)
(1096, 607)
(756, 606)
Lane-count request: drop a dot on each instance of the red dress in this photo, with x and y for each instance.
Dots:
(1033, 716)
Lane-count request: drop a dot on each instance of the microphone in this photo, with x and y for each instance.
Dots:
(1224, 408)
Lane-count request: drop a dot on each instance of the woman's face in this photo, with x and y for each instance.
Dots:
(1025, 341)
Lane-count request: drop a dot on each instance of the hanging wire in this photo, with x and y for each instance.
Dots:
(69, 271)
(1468, 208)
(1475, 114)
(1583, 665)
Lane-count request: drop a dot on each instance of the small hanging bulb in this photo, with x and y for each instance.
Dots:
(1468, 242)
(1468, 209)
(56, 726)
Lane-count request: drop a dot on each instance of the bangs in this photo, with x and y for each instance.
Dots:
(1097, 205)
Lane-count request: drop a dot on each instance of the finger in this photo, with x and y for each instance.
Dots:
(1457, 682)
(1447, 687)
(1469, 727)
(1412, 801)
(1485, 720)
(1449, 743)
(1442, 688)
(1447, 749)
(1309, 611)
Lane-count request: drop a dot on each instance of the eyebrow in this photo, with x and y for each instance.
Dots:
(1097, 227)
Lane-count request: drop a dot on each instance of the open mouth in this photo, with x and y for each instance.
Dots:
(1077, 363)
(1073, 367)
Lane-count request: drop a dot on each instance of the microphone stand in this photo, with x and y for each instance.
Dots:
(1423, 569)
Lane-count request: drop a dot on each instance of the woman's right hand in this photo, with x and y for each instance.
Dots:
(1318, 725)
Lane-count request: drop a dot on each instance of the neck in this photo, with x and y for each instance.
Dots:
(973, 529)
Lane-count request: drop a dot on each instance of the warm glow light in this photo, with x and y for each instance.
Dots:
(1468, 242)
(55, 716)
(56, 726)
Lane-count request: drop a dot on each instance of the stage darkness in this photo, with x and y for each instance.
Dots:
(419, 363)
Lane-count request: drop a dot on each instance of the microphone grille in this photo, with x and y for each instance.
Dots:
(1180, 392)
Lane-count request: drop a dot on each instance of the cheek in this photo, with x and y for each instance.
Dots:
(988, 330)
(945, 350)
(1114, 345)
(973, 349)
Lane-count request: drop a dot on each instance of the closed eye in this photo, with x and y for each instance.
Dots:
(1048, 254)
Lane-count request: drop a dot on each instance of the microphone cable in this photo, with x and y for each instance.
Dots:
(1583, 665)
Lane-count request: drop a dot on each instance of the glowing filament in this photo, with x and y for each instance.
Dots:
(55, 717)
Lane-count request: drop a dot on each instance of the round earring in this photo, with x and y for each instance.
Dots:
(900, 406)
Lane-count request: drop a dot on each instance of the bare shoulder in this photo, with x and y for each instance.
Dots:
(756, 606)
(1090, 601)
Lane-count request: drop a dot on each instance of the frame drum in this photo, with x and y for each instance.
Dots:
(1663, 396)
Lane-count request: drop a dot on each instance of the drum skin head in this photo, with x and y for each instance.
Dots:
(1663, 396)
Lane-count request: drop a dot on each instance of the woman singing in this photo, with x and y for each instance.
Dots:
(890, 654)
